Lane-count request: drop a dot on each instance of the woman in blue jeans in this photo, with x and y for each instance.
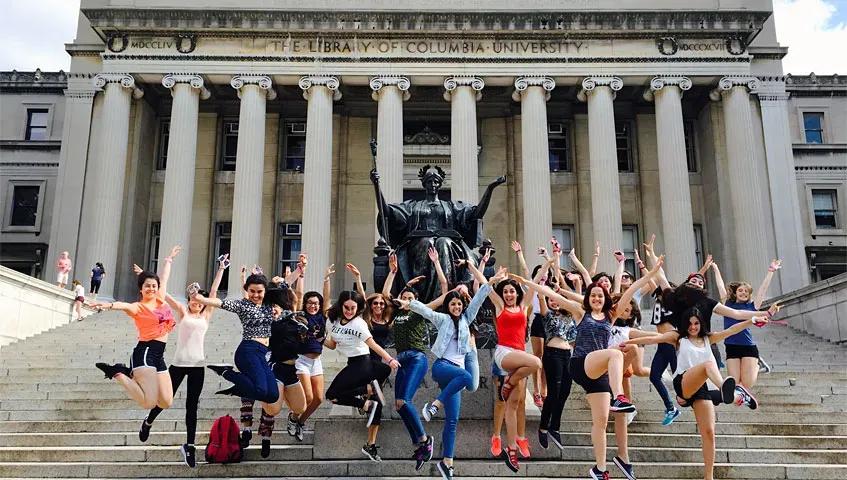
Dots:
(254, 378)
(451, 347)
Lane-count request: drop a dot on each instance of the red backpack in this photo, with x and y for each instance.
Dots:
(223, 442)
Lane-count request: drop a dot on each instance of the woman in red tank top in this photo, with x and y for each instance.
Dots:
(147, 380)
(510, 355)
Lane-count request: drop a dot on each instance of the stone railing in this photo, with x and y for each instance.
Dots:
(819, 309)
(29, 306)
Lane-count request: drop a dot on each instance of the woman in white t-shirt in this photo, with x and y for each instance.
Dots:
(352, 338)
(192, 322)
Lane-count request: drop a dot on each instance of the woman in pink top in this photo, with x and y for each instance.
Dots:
(147, 380)
(63, 268)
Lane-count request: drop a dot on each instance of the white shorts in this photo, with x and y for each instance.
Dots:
(500, 353)
(309, 366)
(62, 277)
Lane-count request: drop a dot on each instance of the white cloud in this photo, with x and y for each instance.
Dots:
(35, 33)
(813, 36)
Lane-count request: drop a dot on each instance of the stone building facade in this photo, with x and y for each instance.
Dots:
(238, 127)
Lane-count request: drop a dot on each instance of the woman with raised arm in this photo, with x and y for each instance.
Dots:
(308, 365)
(451, 347)
(147, 380)
(697, 375)
(192, 322)
(353, 339)
(597, 368)
(511, 308)
(742, 354)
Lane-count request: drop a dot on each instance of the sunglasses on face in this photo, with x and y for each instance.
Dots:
(378, 303)
(626, 277)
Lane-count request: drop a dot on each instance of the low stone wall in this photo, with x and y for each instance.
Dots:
(819, 309)
(29, 306)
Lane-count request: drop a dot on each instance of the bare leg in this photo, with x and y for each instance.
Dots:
(166, 390)
(621, 437)
(733, 369)
(599, 403)
(317, 387)
(372, 431)
(609, 360)
(295, 398)
(512, 413)
(538, 383)
(522, 415)
(704, 413)
(749, 371)
(520, 365)
(143, 387)
(499, 411)
(696, 376)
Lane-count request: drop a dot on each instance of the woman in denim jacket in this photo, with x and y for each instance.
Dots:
(451, 346)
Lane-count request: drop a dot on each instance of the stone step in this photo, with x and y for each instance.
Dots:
(396, 468)
(135, 453)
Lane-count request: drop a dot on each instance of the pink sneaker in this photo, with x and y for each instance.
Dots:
(523, 446)
(496, 447)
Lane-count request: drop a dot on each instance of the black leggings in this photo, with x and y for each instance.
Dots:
(352, 379)
(555, 361)
(195, 386)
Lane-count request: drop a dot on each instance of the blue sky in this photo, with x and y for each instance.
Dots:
(35, 33)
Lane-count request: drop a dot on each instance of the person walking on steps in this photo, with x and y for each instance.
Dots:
(96, 277)
(192, 322)
(64, 265)
(147, 380)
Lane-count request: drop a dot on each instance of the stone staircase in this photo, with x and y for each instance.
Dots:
(59, 418)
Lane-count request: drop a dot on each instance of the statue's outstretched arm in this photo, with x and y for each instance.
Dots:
(486, 197)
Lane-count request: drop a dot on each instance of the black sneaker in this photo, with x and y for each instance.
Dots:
(111, 370)
(557, 438)
(372, 411)
(596, 474)
(728, 390)
(621, 405)
(219, 369)
(292, 424)
(445, 470)
(266, 448)
(144, 431)
(510, 456)
(542, 439)
(244, 439)
(626, 468)
(298, 432)
(429, 410)
(188, 455)
(372, 452)
(746, 398)
(423, 453)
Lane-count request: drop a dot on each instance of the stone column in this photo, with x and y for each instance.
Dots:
(674, 191)
(390, 92)
(463, 92)
(533, 93)
(103, 198)
(599, 92)
(254, 92)
(319, 91)
(67, 208)
(785, 201)
(187, 90)
(745, 178)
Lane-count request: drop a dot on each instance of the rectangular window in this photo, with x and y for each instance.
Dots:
(223, 239)
(36, 123)
(294, 156)
(623, 143)
(564, 235)
(164, 137)
(289, 245)
(813, 125)
(24, 205)
(630, 243)
(229, 145)
(825, 204)
(690, 152)
(698, 244)
(153, 248)
(559, 147)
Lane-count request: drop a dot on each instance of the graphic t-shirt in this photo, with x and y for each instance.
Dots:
(350, 338)
(410, 331)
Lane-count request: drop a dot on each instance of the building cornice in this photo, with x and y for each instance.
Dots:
(33, 82)
(124, 20)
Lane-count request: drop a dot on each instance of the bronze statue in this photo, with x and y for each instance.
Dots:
(454, 229)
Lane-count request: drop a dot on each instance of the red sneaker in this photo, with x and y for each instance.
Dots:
(496, 447)
(523, 446)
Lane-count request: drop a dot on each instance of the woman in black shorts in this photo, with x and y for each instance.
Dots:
(697, 375)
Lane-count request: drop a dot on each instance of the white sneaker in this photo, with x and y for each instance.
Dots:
(630, 417)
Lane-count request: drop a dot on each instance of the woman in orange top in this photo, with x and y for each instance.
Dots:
(147, 380)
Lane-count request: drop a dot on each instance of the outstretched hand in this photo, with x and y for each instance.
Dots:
(775, 265)
(415, 280)
(518, 278)
(516, 246)
(136, 269)
(353, 270)
(175, 251)
(433, 254)
(392, 263)
(330, 271)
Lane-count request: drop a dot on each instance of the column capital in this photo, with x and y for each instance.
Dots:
(331, 82)
(262, 81)
(124, 79)
(456, 81)
(170, 80)
(590, 83)
(525, 81)
(402, 83)
(659, 82)
(727, 83)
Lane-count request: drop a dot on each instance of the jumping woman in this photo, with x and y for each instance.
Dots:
(147, 380)
(192, 322)
(597, 368)
(451, 347)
